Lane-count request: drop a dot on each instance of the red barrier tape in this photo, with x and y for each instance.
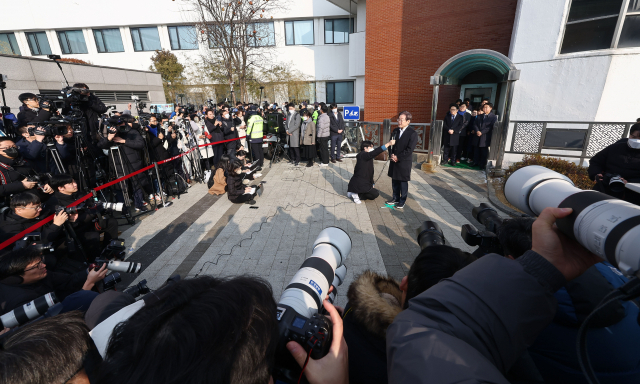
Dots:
(46, 220)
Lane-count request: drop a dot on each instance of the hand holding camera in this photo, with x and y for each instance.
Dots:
(94, 276)
(60, 218)
(112, 133)
(29, 184)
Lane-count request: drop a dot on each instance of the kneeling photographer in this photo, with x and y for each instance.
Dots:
(24, 277)
(124, 144)
(90, 223)
(616, 165)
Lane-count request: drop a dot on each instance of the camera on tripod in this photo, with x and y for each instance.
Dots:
(33, 241)
(297, 309)
(75, 95)
(49, 129)
(140, 105)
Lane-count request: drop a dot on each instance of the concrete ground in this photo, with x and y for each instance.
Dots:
(203, 234)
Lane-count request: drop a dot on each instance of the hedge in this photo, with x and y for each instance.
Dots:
(576, 173)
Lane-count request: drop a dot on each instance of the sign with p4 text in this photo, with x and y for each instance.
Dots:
(351, 113)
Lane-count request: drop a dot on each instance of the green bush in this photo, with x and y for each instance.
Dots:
(576, 173)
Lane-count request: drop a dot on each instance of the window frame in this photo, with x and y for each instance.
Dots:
(333, 30)
(11, 47)
(95, 39)
(313, 31)
(621, 17)
(251, 38)
(58, 33)
(353, 93)
(137, 30)
(37, 43)
(177, 28)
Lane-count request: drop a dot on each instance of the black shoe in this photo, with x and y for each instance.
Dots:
(443, 162)
(399, 206)
(258, 169)
(451, 163)
(473, 164)
(250, 202)
(391, 202)
(296, 164)
(339, 160)
(309, 165)
(333, 161)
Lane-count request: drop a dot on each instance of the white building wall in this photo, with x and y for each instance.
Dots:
(320, 62)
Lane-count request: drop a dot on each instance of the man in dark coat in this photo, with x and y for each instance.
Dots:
(216, 131)
(130, 142)
(30, 112)
(336, 126)
(91, 109)
(361, 185)
(401, 159)
(453, 126)
(484, 129)
(13, 170)
(229, 131)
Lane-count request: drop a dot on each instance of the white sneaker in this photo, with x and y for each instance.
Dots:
(150, 197)
(356, 198)
(324, 165)
(349, 194)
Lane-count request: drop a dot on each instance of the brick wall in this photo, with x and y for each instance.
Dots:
(408, 40)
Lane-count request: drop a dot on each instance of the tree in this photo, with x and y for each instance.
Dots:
(239, 37)
(171, 71)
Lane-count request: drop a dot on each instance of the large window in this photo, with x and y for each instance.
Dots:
(145, 39)
(336, 31)
(261, 34)
(72, 42)
(9, 44)
(108, 40)
(601, 24)
(340, 92)
(183, 37)
(298, 32)
(38, 43)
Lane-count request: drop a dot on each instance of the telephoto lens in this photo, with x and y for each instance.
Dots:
(341, 273)
(112, 206)
(487, 216)
(110, 281)
(429, 234)
(138, 289)
(29, 311)
(119, 266)
(606, 226)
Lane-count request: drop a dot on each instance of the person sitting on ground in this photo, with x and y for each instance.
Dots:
(53, 350)
(375, 300)
(361, 186)
(239, 193)
(24, 277)
(211, 330)
(242, 156)
(219, 178)
(615, 329)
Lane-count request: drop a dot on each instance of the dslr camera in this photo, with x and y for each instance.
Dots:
(298, 308)
(34, 241)
(487, 241)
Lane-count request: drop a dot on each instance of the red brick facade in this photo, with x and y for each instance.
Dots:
(408, 40)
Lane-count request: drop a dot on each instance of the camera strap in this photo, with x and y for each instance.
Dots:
(3, 177)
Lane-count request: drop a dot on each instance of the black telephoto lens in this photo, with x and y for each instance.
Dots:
(429, 234)
(487, 216)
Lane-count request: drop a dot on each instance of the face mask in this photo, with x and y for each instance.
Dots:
(334, 110)
(153, 125)
(12, 152)
(226, 116)
(633, 143)
(291, 111)
(238, 171)
(370, 149)
(304, 118)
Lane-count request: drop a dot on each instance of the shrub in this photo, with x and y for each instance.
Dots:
(75, 61)
(576, 173)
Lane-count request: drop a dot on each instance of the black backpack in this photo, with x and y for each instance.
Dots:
(176, 185)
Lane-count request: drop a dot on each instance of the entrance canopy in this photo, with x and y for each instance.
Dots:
(462, 64)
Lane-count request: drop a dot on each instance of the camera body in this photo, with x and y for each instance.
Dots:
(114, 250)
(33, 240)
(138, 289)
(49, 128)
(487, 241)
(70, 210)
(313, 334)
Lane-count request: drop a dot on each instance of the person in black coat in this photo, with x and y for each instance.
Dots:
(401, 159)
(34, 149)
(92, 108)
(236, 190)
(130, 142)
(216, 131)
(336, 127)
(229, 131)
(361, 185)
(484, 129)
(31, 112)
(466, 123)
(453, 126)
(13, 171)
(620, 158)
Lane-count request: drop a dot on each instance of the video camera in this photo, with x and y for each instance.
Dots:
(297, 309)
(48, 104)
(140, 105)
(50, 128)
(75, 95)
(41, 179)
(33, 240)
(275, 123)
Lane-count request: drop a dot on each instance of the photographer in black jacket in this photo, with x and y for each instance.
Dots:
(90, 224)
(14, 172)
(91, 106)
(31, 111)
(130, 143)
(34, 149)
(24, 277)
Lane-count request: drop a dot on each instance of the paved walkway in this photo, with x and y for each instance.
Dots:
(204, 234)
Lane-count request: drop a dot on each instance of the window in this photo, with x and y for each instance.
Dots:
(183, 37)
(108, 40)
(261, 34)
(38, 43)
(594, 25)
(336, 31)
(298, 32)
(145, 39)
(72, 42)
(340, 92)
(9, 44)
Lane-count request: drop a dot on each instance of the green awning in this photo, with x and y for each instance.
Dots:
(459, 66)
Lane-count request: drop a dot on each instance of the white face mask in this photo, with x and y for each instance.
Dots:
(334, 110)
(634, 143)
(304, 118)
(226, 116)
(291, 111)
(369, 149)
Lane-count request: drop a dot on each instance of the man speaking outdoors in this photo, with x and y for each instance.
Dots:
(401, 159)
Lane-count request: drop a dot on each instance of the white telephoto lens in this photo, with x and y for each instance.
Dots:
(124, 266)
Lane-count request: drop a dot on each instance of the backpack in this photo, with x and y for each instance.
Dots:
(176, 185)
(208, 176)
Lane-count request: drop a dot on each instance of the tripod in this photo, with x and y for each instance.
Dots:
(9, 129)
(194, 155)
(52, 152)
(279, 147)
